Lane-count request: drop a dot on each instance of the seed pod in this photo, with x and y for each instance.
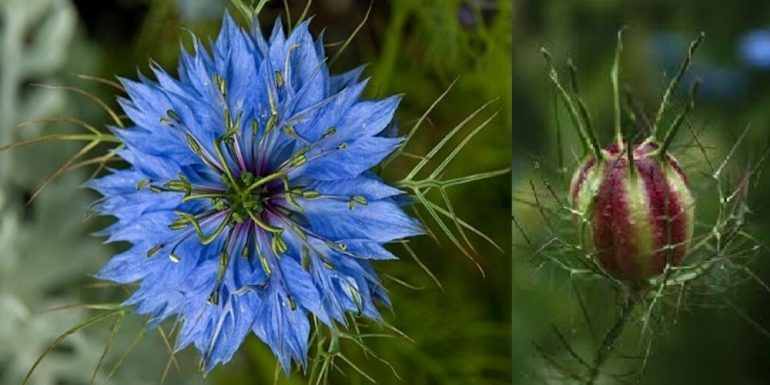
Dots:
(635, 216)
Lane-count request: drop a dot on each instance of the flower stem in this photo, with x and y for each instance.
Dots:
(611, 338)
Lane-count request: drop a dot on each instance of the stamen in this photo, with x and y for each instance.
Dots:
(357, 199)
(311, 194)
(275, 176)
(171, 114)
(263, 225)
(224, 259)
(206, 239)
(278, 245)
(263, 261)
(154, 250)
(331, 131)
(143, 183)
(225, 164)
(221, 84)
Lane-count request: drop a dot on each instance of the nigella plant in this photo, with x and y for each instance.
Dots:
(249, 203)
(629, 226)
(248, 198)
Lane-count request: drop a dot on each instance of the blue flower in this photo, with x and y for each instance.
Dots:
(248, 203)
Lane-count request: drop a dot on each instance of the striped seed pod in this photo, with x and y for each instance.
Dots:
(636, 210)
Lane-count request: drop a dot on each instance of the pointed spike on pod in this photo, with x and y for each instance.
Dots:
(587, 138)
(573, 76)
(673, 129)
(674, 84)
(615, 78)
(631, 163)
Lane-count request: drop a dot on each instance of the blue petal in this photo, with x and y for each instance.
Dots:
(286, 331)
(349, 161)
(369, 186)
(381, 221)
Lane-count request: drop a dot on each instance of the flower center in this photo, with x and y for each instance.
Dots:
(241, 202)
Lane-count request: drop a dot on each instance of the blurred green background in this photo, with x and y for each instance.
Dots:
(460, 333)
(711, 343)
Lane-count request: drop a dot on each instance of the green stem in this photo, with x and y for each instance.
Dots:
(611, 339)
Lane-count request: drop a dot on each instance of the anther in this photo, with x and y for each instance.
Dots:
(154, 250)
(357, 199)
(143, 183)
(194, 146)
(290, 131)
(221, 84)
(311, 194)
(171, 114)
(329, 132)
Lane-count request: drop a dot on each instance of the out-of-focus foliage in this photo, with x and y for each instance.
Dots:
(457, 332)
(689, 340)
(44, 254)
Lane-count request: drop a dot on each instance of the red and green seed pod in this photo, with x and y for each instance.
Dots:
(638, 215)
